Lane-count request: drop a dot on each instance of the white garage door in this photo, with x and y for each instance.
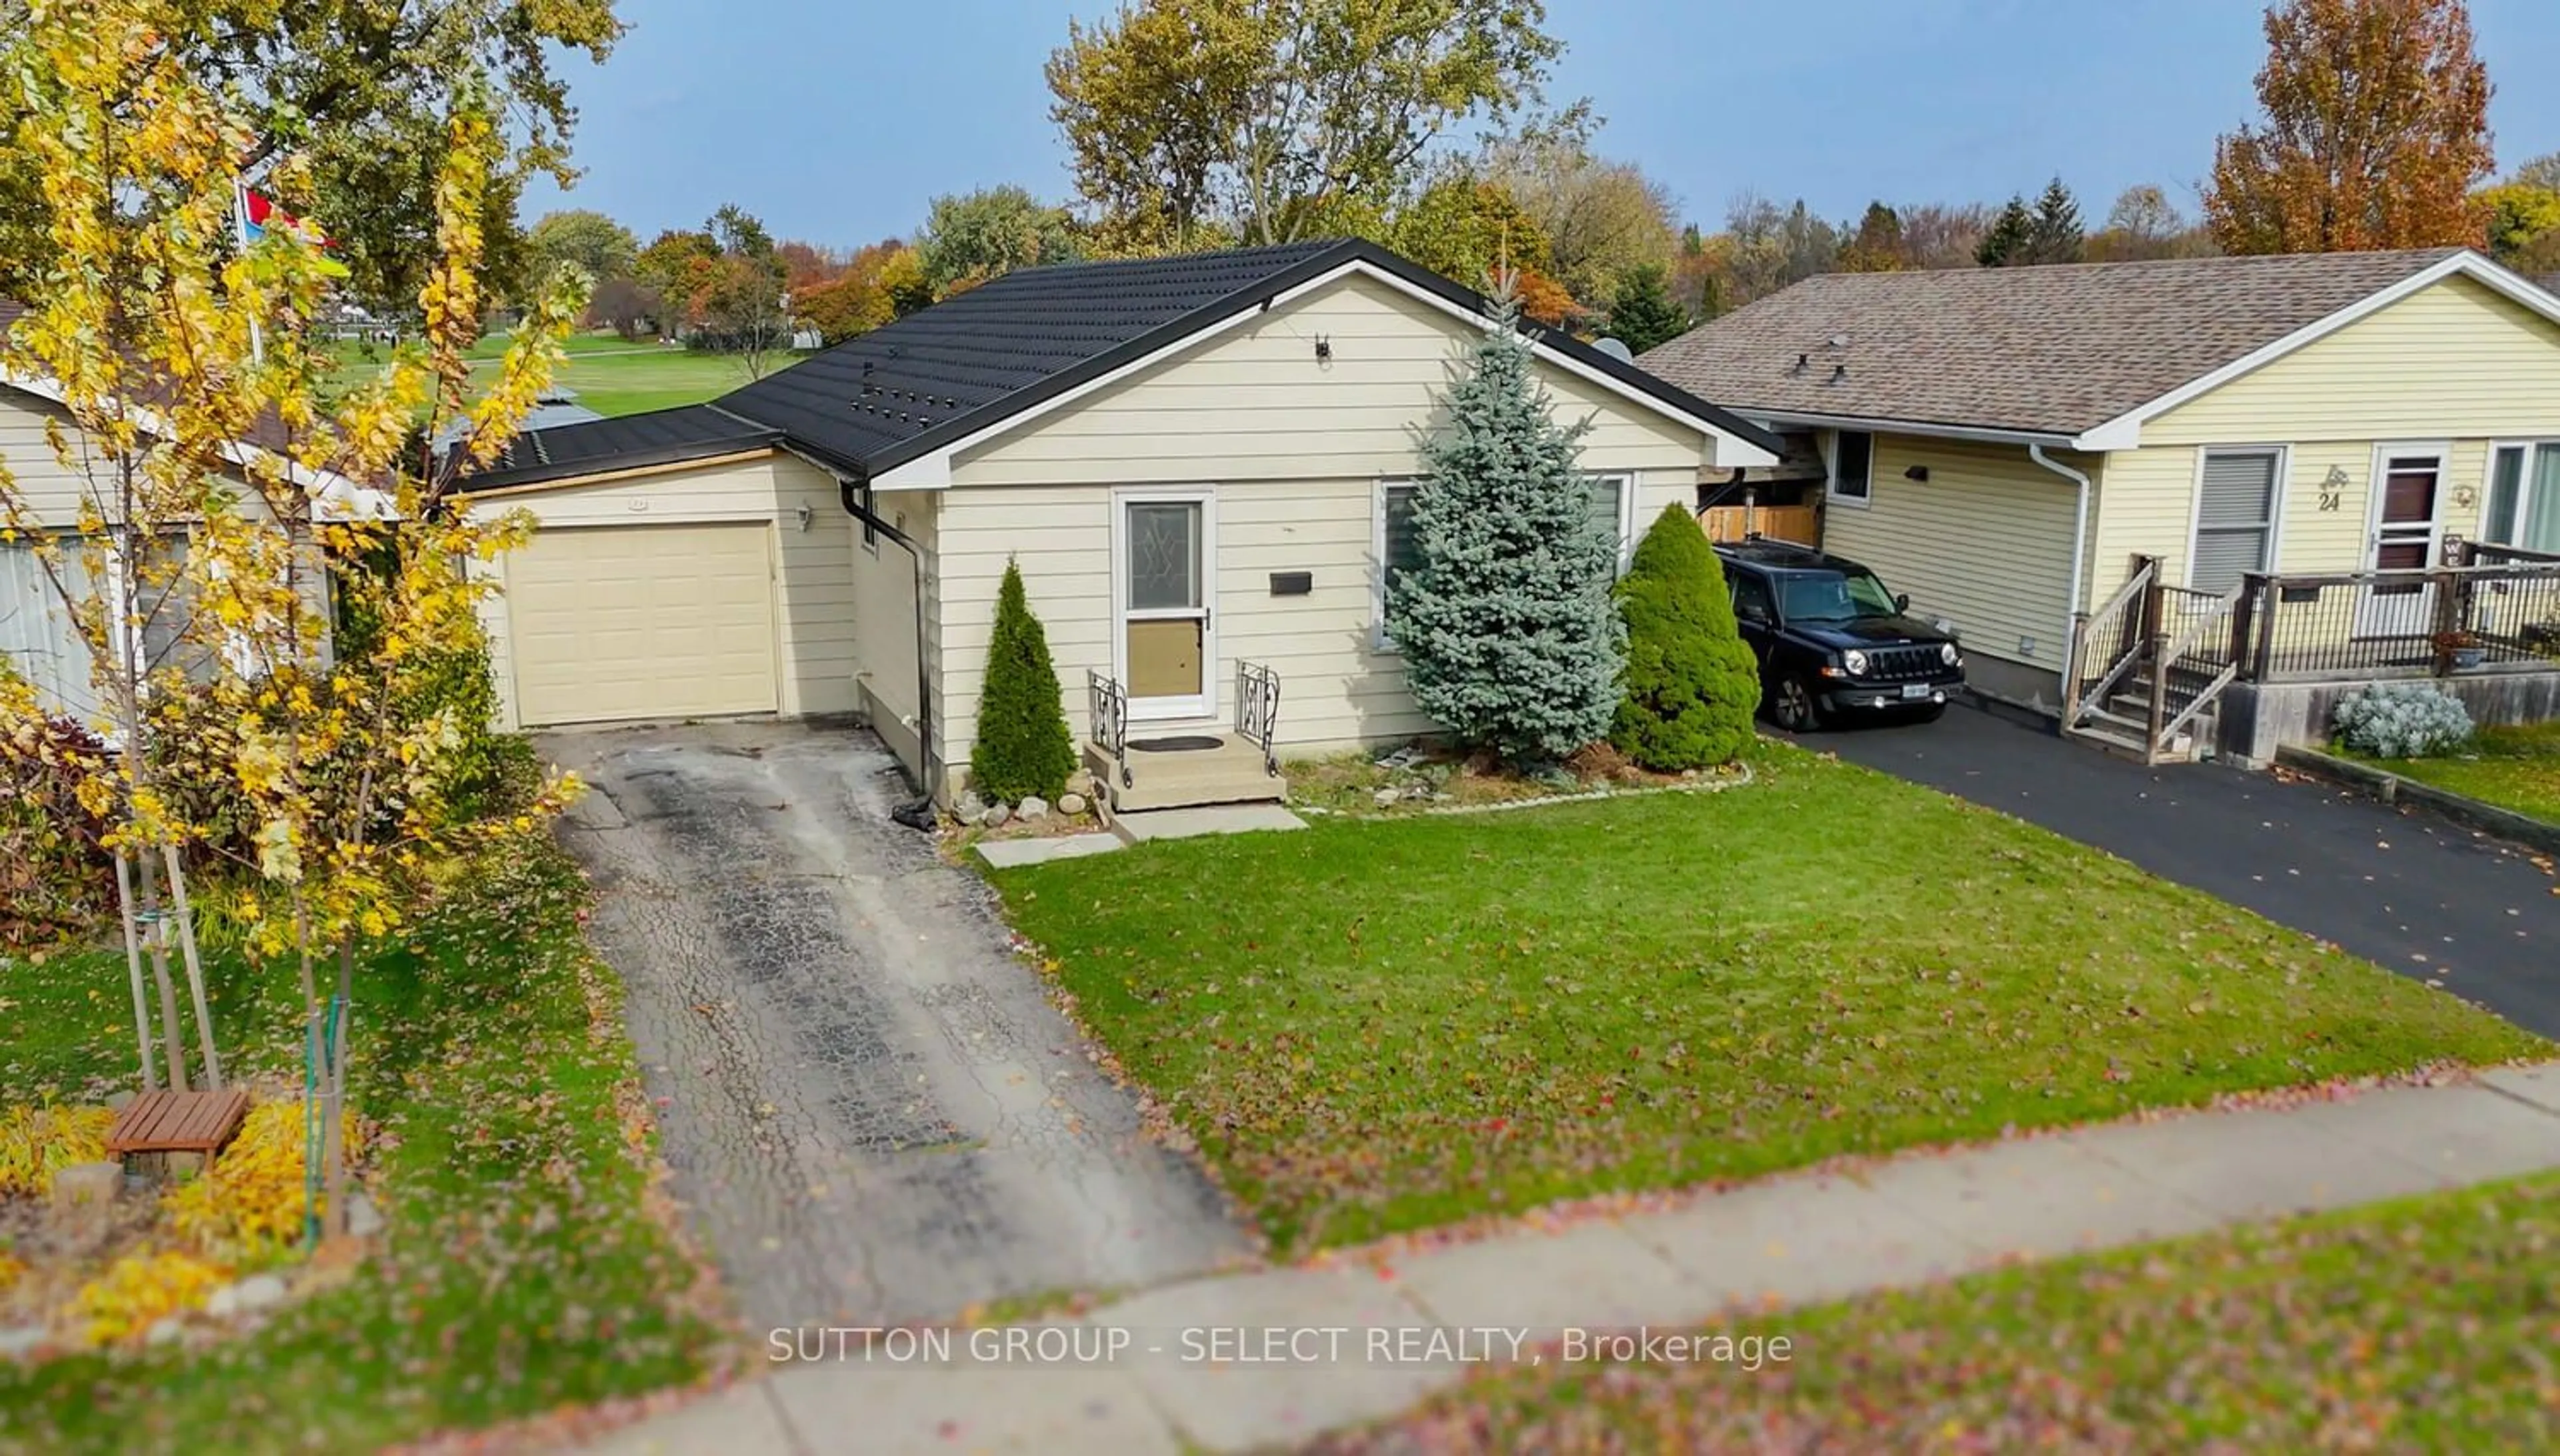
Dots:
(610, 623)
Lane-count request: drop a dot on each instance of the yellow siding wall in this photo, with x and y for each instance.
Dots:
(2455, 363)
(1985, 542)
(814, 593)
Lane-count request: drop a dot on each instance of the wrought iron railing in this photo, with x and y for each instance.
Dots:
(1107, 715)
(1257, 711)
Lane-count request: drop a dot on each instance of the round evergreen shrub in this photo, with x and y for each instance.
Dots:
(1024, 746)
(1693, 683)
(2402, 720)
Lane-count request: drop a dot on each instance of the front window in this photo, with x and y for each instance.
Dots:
(2524, 497)
(2235, 518)
(1399, 545)
(1833, 596)
(1853, 466)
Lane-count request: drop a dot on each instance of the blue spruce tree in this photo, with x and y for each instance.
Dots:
(1510, 640)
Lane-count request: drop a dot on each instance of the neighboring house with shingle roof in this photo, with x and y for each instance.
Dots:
(1199, 462)
(2003, 444)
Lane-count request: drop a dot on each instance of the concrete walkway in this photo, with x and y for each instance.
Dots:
(2403, 888)
(1269, 1359)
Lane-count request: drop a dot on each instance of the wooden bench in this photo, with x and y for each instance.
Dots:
(178, 1122)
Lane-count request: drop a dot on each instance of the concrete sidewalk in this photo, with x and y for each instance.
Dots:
(1268, 1359)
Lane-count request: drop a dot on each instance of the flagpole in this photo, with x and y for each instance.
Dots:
(240, 225)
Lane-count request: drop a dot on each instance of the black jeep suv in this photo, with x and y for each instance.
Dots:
(1832, 641)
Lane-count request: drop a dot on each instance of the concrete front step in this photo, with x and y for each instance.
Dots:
(1230, 773)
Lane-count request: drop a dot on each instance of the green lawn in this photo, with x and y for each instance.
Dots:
(522, 1272)
(2515, 768)
(614, 377)
(2425, 1325)
(1380, 1026)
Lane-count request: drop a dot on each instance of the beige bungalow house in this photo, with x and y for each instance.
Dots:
(1202, 464)
(2139, 447)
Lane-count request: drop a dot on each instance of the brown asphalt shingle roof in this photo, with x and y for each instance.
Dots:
(2053, 350)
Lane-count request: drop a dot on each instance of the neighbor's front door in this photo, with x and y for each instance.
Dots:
(1163, 581)
(2409, 489)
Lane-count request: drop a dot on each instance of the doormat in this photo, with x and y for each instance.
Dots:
(1180, 743)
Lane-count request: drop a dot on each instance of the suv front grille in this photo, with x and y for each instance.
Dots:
(1903, 664)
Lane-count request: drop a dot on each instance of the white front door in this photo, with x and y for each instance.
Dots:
(2406, 528)
(1163, 581)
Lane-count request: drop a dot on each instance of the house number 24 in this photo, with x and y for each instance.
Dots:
(2332, 488)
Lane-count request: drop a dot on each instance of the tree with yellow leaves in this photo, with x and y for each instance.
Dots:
(178, 345)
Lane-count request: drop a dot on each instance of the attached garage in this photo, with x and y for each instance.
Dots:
(617, 622)
(713, 581)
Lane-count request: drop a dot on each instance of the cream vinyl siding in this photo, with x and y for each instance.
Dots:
(810, 575)
(1985, 542)
(51, 491)
(1336, 687)
(884, 607)
(1255, 403)
(610, 623)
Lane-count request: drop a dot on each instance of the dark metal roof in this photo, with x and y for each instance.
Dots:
(658, 437)
(949, 372)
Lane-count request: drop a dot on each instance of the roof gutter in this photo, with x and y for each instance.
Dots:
(1988, 434)
(2079, 554)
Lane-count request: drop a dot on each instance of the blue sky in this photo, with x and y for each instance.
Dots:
(839, 123)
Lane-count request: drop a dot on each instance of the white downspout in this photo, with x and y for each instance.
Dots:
(2079, 556)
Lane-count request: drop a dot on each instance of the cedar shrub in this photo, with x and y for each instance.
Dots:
(1691, 682)
(1023, 747)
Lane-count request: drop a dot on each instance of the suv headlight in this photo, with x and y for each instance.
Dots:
(1855, 662)
(1948, 654)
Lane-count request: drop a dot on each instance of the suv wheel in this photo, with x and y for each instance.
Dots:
(1793, 705)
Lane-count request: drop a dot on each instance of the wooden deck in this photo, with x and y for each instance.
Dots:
(178, 1122)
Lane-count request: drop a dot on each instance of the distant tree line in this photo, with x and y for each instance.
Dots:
(1206, 123)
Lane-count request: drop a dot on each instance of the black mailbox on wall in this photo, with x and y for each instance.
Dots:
(1292, 584)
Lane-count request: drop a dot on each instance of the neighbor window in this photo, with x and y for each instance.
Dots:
(870, 533)
(1852, 465)
(2235, 518)
(1612, 496)
(1399, 548)
(2524, 497)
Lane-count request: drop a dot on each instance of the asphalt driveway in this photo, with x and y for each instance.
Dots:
(873, 1113)
(2418, 894)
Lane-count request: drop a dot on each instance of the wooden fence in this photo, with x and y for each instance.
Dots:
(1799, 524)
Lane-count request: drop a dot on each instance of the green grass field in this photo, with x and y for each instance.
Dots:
(2425, 1325)
(1380, 1026)
(2515, 768)
(613, 376)
(522, 1270)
